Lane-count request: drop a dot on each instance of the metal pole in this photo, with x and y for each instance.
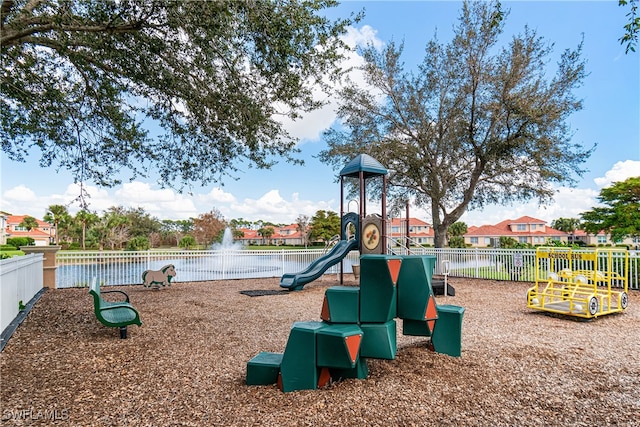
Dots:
(384, 214)
(445, 267)
(342, 233)
(408, 235)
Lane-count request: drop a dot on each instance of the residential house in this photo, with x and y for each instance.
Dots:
(601, 239)
(43, 235)
(285, 235)
(420, 232)
(524, 230)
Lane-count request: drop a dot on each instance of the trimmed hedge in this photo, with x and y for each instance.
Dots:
(16, 242)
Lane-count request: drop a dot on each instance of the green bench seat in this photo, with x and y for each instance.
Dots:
(115, 314)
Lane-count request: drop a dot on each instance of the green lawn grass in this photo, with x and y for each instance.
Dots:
(11, 253)
(527, 274)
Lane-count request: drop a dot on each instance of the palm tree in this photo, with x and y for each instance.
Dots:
(266, 233)
(86, 219)
(55, 214)
(29, 223)
(568, 225)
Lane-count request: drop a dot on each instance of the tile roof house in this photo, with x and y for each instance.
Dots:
(420, 232)
(524, 230)
(43, 235)
(601, 239)
(286, 235)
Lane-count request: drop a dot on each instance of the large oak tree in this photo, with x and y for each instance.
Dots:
(480, 122)
(82, 80)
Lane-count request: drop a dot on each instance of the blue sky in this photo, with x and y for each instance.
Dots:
(610, 118)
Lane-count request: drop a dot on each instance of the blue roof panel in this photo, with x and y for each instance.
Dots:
(363, 163)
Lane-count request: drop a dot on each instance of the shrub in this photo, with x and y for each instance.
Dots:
(138, 243)
(187, 242)
(20, 241)
(456, 242)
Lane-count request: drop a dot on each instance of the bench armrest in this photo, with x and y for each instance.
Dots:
(120, 292)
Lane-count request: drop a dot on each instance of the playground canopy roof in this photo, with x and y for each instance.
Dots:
(363, 163)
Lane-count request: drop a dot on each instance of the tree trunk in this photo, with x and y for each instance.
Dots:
(440, 236)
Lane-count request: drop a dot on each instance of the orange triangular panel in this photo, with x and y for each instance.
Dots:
(394, 269)
(431, 324)
(325, 377)
(353, 345)
(325, 315)
(431, 314)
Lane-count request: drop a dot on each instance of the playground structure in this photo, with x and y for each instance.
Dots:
(296, 281)
(359, 323)
(368, 238)
(580, 283)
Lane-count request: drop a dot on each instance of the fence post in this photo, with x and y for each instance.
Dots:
(281, 262)
(477, 262)
(48, 264)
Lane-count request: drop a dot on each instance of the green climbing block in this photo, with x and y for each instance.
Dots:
(341, 304)
(414, 286)
(378, 297)
(419, 328)
(338, 345)
(447, 335)
(360, 371)
(298, 369)
(263, 368)
(379, 340)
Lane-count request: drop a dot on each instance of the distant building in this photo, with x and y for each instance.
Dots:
(420, 232)
(286, 235)
(601, 239)
(43, 235)
(524, 230)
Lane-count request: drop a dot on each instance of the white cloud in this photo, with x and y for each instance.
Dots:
(19, 194)
(310, 125)
(162, 203)
(142, 192)
(364, 36)
(97, 198)
(274, 208)
(217, 195)
(619, 172)
(567, 202)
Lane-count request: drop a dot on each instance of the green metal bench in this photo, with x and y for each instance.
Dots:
(116, 314)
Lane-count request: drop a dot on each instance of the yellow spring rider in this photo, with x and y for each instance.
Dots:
(580, 283)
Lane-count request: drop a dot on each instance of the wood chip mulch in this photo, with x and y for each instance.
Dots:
(186, 365)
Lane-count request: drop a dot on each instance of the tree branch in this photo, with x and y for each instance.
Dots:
(10, 38)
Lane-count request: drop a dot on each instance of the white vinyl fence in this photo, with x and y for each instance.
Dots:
(75, 269)
(20, 280)
(125, 268)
